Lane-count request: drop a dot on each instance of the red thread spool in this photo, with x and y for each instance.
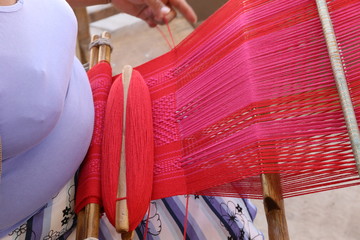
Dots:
(139, 149)
(113, 127)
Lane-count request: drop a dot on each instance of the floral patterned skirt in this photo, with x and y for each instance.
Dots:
(207, 218)
(54, 221)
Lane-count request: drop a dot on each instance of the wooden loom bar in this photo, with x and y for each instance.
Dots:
(274, 204)
(89, 217)
(92, 210)
(340, 78)
(94, 52)
(92, 220)
(80, 225)
(274, 207)
(105, 49)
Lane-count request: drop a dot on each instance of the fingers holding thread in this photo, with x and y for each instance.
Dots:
(185, 9)
(164, 11)
(159, 9)
(156, 12)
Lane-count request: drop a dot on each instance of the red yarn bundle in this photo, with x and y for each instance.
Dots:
(110, 166)
(139, 149)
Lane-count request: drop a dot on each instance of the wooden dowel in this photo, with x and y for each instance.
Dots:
(273, 200)
(92, 210)
(340, 79)
(127, 235)
(274, 207)
(82, 219)
(122, 218)
(80, 226)
(89, 217)
(92, 220)
(94, 52)
(105, 50)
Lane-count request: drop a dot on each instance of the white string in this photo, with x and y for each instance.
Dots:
(99, 42)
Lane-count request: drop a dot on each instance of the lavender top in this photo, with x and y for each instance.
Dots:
(46, 109)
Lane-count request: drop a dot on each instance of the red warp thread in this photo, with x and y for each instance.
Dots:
(256, 95)
(164, 37)
(170, 35)
(170, 32)
(186, 216)
(119, 199)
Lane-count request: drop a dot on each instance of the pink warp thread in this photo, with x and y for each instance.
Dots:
(256, 95)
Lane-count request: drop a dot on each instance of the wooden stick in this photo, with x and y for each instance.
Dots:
(340, 79)
(80, 226)
(122, 218)
(274, 207)
(82, 217)
(127, 235)
(92, 220)
(94, 52)
(89, 217)
(92, 210)
(105, 50)
(274, 203)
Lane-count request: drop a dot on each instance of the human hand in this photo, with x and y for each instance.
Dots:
(156, 11)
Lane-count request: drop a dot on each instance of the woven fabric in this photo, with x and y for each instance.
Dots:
(88, 190)
(256, 95)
